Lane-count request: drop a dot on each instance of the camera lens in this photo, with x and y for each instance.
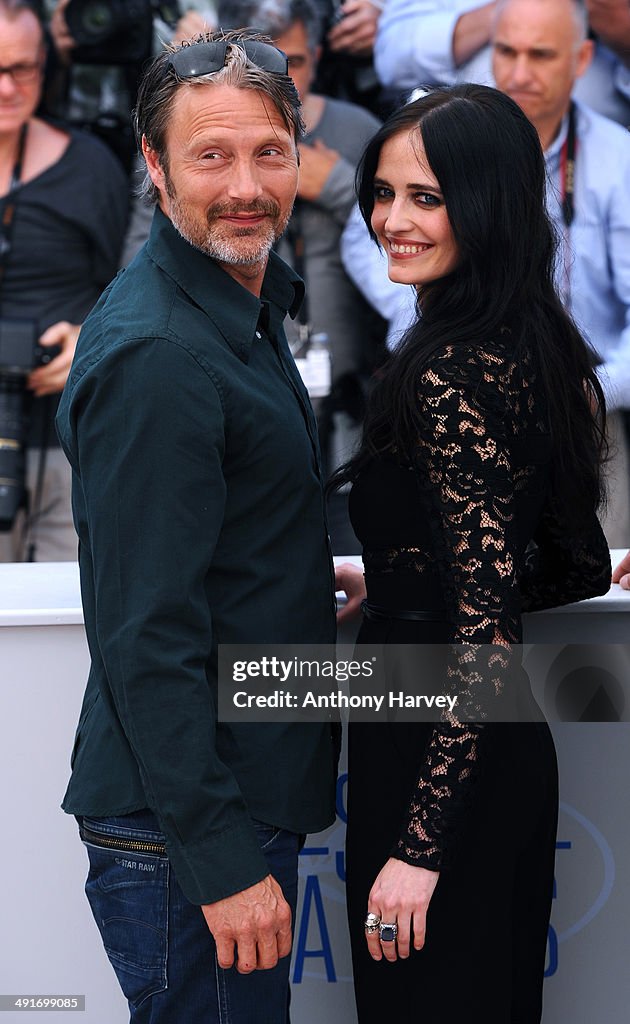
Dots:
(91, 22)
(110, 31)
(97, 19)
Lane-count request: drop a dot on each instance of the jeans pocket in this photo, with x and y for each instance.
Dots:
(127, 889)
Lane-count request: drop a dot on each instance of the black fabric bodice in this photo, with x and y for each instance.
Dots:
(452, 527)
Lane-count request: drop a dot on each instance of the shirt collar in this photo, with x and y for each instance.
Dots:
(237, 313)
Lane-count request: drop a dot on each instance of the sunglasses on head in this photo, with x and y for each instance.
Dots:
(204, 58)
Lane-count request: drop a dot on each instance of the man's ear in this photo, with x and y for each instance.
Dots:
(584, 57)
(153, 165)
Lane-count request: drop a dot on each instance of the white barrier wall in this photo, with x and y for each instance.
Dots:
(49, 944)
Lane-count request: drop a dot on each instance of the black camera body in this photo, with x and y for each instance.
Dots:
(19, 354)
(115, 31)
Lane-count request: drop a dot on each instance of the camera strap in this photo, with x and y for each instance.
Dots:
(567, 170)
(11, 201)
(567, 199)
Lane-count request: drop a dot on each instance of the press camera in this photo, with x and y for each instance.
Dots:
(116, 31)
(19, 354)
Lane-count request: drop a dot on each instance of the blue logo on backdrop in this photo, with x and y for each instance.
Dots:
(580, 892)
(320, 933)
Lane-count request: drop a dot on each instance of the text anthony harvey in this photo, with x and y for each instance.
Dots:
(338, 699)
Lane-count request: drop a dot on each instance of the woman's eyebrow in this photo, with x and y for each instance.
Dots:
(413, 186)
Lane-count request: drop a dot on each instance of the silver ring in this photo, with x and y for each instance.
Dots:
(388, 932)
(372, 923)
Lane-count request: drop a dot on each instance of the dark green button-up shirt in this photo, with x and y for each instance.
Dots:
(198, 503)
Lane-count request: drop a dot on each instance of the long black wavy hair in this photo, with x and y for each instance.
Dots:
(487, 158)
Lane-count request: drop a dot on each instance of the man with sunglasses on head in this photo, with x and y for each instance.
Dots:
(198, 503)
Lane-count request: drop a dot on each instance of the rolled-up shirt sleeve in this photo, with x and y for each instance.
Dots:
(414, 43)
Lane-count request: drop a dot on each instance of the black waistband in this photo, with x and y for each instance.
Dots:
(375, 613)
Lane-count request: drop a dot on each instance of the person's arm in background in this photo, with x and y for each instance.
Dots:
(327, 169)
(423, 42)
(355, 32)
(472, 32)
(318, 165)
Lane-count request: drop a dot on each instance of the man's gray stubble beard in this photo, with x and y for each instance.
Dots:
(222, 250)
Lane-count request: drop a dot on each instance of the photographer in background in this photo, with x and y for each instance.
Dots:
(63, 210)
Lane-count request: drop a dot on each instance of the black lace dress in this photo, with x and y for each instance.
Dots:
(447, 532)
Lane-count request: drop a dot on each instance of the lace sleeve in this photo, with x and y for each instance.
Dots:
(567, 565)
(467, 477)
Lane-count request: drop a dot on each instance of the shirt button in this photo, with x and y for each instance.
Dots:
(258, 334)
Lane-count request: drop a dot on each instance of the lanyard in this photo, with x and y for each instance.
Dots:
(6, 224)
(567, 201)
(567, 171)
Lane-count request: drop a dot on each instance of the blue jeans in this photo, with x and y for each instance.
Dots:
(158, 942)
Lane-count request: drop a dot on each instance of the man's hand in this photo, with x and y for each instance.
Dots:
(49, 379)
(350, 579)
(252, 927)
(400, 895)
(611, 20)
(621, 573)
(356, 31)
(316, 163)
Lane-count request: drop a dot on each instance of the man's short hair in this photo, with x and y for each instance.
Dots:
(161, 83)
(272, 17)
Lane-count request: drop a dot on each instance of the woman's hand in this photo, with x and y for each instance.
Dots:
(349, 579)
(400, 895)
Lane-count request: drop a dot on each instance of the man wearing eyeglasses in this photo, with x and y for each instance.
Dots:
(198, 503)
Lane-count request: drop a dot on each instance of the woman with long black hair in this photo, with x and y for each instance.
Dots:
(474, 494)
